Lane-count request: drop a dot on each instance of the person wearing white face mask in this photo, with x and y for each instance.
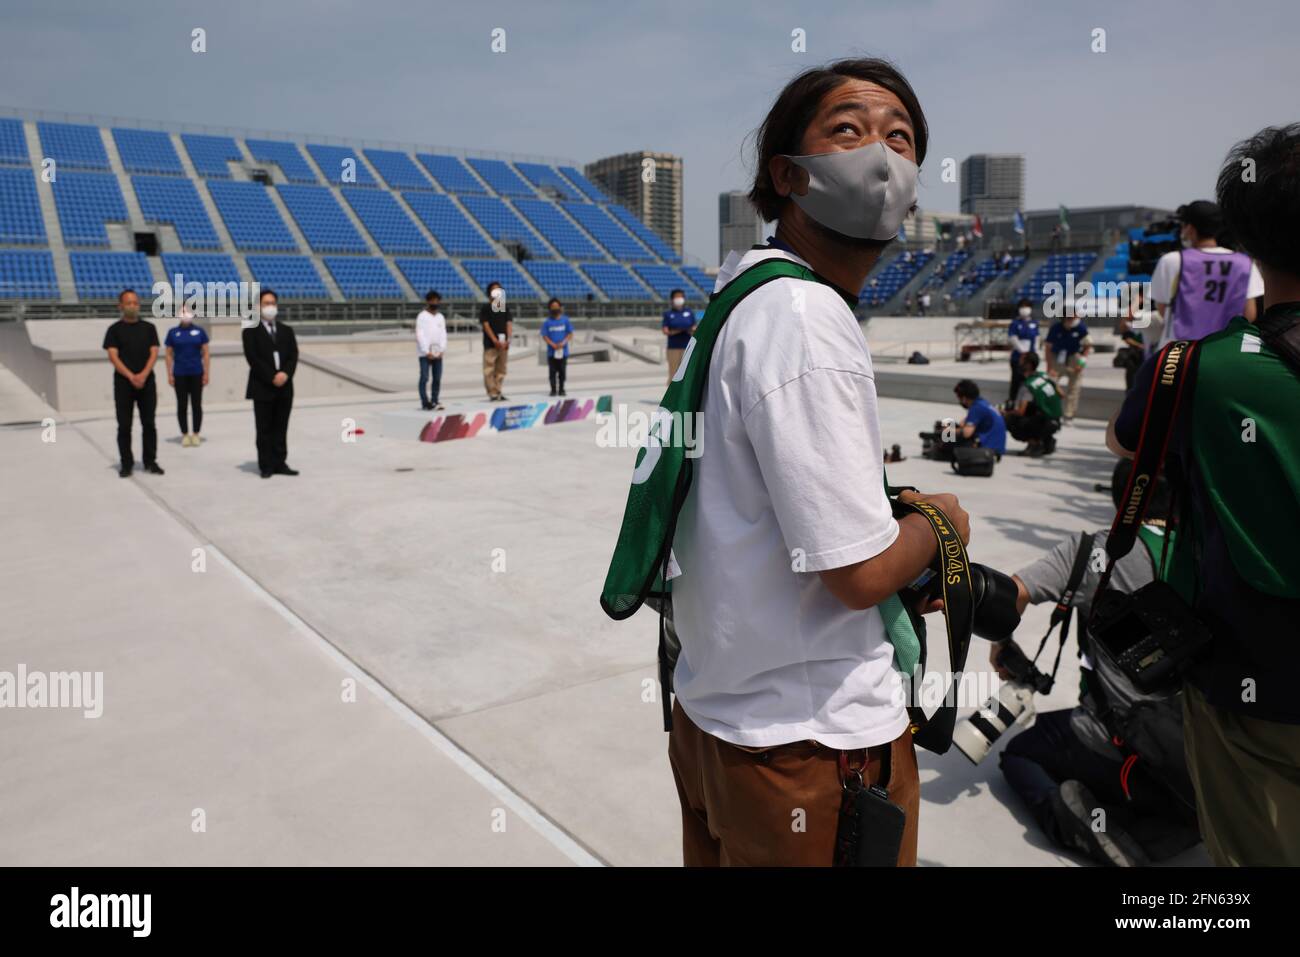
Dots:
(1068, 347)
(188, 365)
(678, 326)
(271, 349)
(1022, 336)
(785, 553)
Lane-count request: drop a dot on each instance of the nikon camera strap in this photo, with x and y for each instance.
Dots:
(1163, 401)
(934, 733)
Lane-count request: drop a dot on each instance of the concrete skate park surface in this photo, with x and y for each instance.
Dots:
(398, 656)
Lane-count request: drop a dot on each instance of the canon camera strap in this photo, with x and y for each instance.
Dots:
(1163, 401)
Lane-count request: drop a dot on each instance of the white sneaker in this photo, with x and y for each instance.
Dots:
(185, 441)
(195, 440)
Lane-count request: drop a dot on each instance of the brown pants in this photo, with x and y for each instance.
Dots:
(775, 806)
(494, 370)
(674, 361)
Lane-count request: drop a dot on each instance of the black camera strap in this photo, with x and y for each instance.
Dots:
(1063, 613)
(1163, 402)
(934, 733)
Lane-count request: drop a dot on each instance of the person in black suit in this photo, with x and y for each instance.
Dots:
(272, 353)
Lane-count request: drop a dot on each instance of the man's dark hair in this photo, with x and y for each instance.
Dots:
(494, 285)
(781, 132)
(268, 291)
(1025, 302)
(1262, 214)
(121, 294)
(1031, 358)
(431, 295)
(967, 389)
(676, 291)
(554, 300)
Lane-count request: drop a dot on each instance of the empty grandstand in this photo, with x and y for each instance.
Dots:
(326, 221)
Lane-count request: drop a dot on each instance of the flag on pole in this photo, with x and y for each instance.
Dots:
(978, 228)
(1065, 217)
(1019, 223)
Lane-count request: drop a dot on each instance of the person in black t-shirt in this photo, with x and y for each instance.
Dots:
(498, 325)
(132, 345)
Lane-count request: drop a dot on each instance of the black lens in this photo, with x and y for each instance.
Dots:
(994, 595)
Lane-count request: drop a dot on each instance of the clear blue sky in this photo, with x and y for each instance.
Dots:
(1148, 121)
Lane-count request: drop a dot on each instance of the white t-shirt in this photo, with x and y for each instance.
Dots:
(430, 333)
(790, 476)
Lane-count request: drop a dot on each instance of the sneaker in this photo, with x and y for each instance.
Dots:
(1074, 807)
(153, 468)
(552, 392)
(563, 393)
(439, 407)
(185, 441)
(195, 440)
(124, 471)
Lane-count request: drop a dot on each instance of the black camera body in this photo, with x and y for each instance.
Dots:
(1152, 634)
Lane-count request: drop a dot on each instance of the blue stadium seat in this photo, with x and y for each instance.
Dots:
(615, 281)
(397, 169)
(322, 221)
(546, 178)
(438, 275)
(664, 279)
(976, 279)
(885, 284)
(588, 188)
(147, 151)
(560, 280)
(292, 277)
(951, 263)
(702, 279)
(363, 277)
(13, 143)
(611, 234)
(499, 175)
(442, 217)
(644, 233)
(250, 216)
(20, 208)
(211, 154)
(104, 275)
(450, 173)
(558, 230)
(27, 274)
(387, 222)
(1062, 268)
(503, 225)
(200, 267)
(332, 160)
(504, 271)
(73, 146)
(165, 199)
(286, 156)
(85, 202)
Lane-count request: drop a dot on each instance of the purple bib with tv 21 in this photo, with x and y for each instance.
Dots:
(1211, 291)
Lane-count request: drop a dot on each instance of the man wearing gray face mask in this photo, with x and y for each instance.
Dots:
(786, 557)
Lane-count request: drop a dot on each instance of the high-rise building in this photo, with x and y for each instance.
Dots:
(992, 184)
(739, 225)
(649, 184)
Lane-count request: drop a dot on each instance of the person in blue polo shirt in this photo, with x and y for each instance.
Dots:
(983, 423)
(1068, 345)
(1022, 335)
(187, 372)
(557, 330)
(679, 326)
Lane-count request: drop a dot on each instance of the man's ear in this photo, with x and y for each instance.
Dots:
(787, 177)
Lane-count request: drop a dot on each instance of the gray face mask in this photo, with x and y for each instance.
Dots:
(865, 193)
